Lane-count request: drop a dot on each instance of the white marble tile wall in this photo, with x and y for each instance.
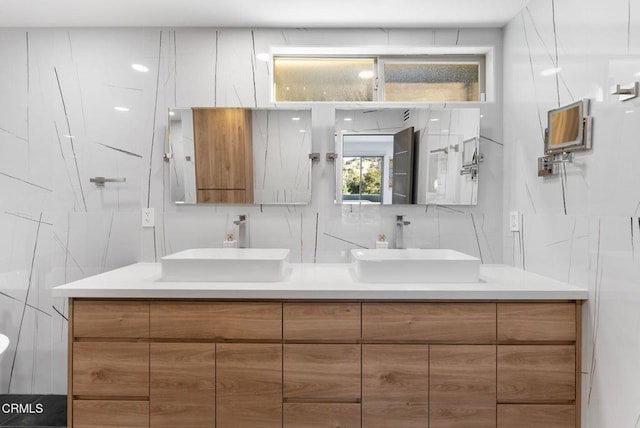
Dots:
(58, 128)
(582, 226)
(281, 164)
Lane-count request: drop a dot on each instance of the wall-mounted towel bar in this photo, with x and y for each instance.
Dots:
(99, 181)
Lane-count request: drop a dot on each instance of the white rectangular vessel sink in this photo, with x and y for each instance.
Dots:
(415, 266)
(226, 265)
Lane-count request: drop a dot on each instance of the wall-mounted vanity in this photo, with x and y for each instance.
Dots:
(407, 156)
(240, 156)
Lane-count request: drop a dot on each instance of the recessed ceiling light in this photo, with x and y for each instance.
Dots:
(628, 112)
(551, 71)
(444, 130)
(263, 56)
(295, 118)
(121, 108)
(172, 113)
(302, 130)
(348, 119)
(435, 120)
(139, 67)
(366, 74)
(68, 136)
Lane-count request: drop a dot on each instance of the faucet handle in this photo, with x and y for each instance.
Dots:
(400, 219)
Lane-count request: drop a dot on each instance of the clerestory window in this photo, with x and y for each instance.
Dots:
(407, 78)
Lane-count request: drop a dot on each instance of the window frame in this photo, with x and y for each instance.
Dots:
(374, 68)
(484, 55)
(479, 60)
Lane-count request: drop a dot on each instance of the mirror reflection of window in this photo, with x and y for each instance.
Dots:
(444, 149)
(362, 177)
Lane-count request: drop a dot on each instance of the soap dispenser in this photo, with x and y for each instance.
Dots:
(381, 243)
(230, 242)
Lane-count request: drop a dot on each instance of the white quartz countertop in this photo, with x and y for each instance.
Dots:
(321, 281)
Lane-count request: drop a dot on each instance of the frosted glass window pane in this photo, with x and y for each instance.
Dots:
(431, 82)
(322, 79)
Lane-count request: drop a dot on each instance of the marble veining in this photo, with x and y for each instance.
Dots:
(582, 225)
(58, 128)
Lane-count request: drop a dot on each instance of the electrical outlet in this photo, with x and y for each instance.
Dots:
(148, 217)
(514, 221)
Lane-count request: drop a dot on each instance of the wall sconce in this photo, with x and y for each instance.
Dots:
(626, 93)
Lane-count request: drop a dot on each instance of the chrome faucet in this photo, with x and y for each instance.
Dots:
(400, 224)
(243, 241)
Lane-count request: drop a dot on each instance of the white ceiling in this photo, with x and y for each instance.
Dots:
(258, 13)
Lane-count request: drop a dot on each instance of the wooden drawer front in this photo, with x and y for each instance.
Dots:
(110, 414)
(321, 321)
(322, 372)
(462, 386)
(224, 196)
(322, 415)
(395, 386)
(182, 385)
(110, 319)
(536, 416)
(537, 321)
(208, 320)
(111, 369)
(456, 322)
(248, 385)
(536, 373)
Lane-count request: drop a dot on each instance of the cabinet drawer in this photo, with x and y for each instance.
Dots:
(111, 369)
(406, 322)
(536, 373)
(322, 372)
(462, 386)
(395, 386)
(110, 414)
(182, 385)
(321, 321)
(248, 385)
(212, 196)
(536, 416)
(214, 320)
(537, 321)
(321, 415)
(110, 319)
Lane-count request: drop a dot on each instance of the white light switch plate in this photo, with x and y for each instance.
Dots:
(148, 217)
(514, 221)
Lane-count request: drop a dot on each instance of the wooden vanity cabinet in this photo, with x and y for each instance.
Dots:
(108, 364)
(249, 385)
(224, 155)
(462, 386)
(322, 365)
(182, 385)
(282, 364)
(395, 385)
(538, 365)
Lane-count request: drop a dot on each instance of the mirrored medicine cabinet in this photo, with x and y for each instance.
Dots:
(407, 156)
(239, 155)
